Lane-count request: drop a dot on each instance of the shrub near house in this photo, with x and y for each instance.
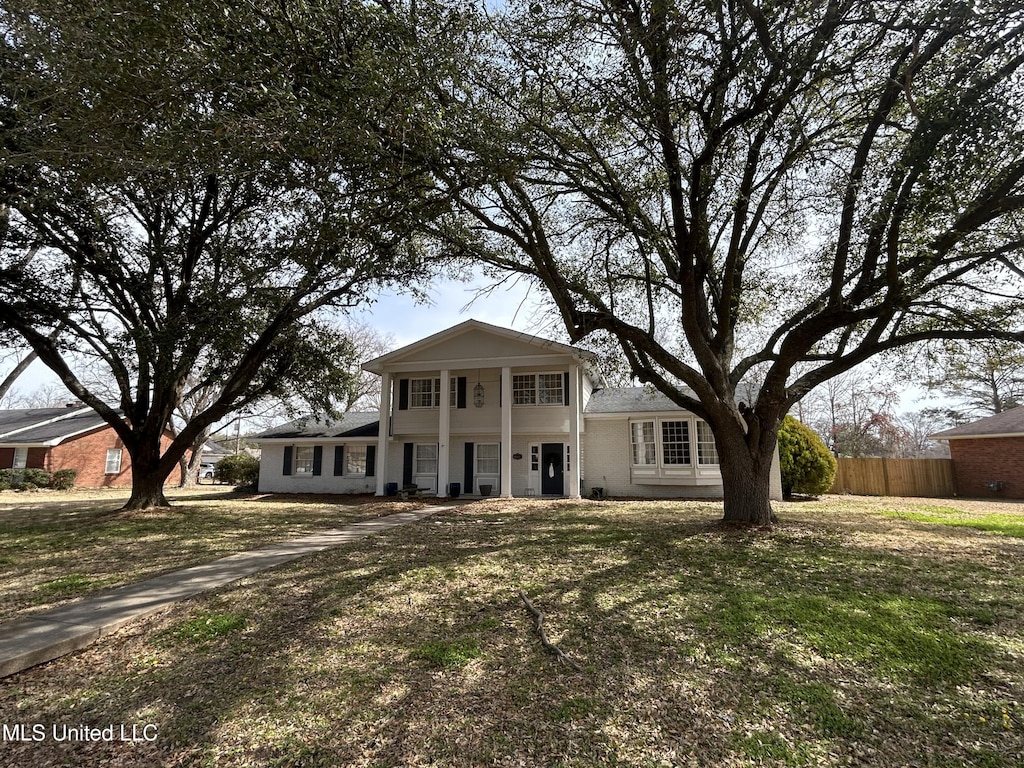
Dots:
(807, 465)
(239, 469)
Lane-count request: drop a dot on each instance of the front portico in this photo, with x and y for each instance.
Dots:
(454, 400)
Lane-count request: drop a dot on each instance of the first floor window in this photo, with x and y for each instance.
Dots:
(20, 458)
(487, 458)
(303, 460)
(426, 459)
(535, 458)
(675, 442)
(644, 449)
(707, 453)
(355, 460)
(113, 463)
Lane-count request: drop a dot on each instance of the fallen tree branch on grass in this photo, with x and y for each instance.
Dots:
(538, 621)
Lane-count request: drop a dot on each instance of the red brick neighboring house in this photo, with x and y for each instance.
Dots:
(988, 455)
(66, 438)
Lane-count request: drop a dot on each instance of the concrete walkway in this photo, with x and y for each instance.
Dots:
(47, 635)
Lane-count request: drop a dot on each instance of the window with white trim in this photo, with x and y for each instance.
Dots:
(535, 458)
(355, 460)
(424, 393)
(425, 459)
(675, 442)
(303, 460)
(524, 389)
(20, 458)
(538, 388)
(549, 389)
(644, 445)
(487, 458)
(113, 463)
(707, 452)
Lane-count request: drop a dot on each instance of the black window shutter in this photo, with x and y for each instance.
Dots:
(469, 468)
(287, 470)
(460, 392)
(407, 465)
(403, 394)
(318, 459)
(565, 388)
(339, 460)
(371, 460)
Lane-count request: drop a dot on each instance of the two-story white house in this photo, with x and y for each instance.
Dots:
(480, 410)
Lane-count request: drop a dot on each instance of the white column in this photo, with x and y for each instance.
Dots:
(382, 432)
(443, 434)
(506, 432)
(575, 407)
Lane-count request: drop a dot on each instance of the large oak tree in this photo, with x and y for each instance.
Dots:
(199, 184)
(749, 196)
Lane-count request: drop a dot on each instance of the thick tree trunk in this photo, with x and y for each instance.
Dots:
(149, 473)
(746, 478)
(147, 491)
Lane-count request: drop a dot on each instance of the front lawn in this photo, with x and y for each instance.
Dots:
(852, 634)
(56, 547)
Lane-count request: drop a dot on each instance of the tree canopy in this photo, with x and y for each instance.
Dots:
(765, 194)
(190, 188)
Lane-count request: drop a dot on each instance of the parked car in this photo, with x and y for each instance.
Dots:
(206, 470)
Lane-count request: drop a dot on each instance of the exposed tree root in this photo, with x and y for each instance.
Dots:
(538, 622)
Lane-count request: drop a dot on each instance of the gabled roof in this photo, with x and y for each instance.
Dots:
(629, 400)
(1006, 424)
(350, 425)
(46, 426)
(378, 364)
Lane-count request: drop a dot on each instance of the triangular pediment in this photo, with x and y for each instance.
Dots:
(475, 341)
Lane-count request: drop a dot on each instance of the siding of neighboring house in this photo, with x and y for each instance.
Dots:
(87, 455)
(978, 462)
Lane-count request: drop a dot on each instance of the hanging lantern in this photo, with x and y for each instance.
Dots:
(478, 395)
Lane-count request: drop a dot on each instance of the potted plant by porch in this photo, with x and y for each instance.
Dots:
(485, 489)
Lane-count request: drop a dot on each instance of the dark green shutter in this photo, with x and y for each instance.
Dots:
(469, 469)
(407, 465)
(403, 394)
(460, 392)
(287, 470)
(318, 459)
(371, 460)
(565, 388)
(339, 460)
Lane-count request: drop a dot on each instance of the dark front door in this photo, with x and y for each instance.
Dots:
(552, 469)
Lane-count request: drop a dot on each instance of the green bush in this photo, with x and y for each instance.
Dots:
(35, 478)
(63, 479)
(808, 467)
(239, 469)
(5, 479)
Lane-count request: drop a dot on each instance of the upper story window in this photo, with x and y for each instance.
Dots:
(538, 389)
(424, 393)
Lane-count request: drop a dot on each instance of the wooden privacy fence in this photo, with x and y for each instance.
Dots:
(895, 477)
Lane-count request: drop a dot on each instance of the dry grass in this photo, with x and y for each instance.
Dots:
(852, 634)
(59, 546)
